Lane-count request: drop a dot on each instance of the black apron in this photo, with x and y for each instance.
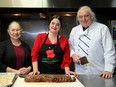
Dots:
(50, 58)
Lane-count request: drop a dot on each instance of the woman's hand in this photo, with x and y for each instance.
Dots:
(72, 73)
(68, 72)
(34, 73)
(24, 70)
(106, 74)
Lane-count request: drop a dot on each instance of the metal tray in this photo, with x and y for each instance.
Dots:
(7, 79)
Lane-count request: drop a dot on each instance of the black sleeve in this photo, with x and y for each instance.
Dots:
(2, 57)
(27, 60)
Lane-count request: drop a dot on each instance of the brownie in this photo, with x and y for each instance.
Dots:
(49, 78)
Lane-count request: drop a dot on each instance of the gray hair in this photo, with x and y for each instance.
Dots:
(92, 14)
(16, 23)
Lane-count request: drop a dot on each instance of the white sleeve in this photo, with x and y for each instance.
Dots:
(109, 50)
(71, 41)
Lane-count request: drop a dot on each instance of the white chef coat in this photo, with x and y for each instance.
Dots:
(97, 45)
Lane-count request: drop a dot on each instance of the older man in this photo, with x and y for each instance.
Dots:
(93, 41)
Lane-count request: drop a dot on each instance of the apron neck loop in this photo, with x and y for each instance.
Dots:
(47, 37)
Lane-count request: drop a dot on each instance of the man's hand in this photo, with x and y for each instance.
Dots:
(76, 58)
(106, 74)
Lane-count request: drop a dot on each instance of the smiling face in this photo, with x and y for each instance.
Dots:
(55, 25)
(14, 31)
(84, 17)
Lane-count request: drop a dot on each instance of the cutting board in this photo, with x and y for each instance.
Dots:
(21, 83)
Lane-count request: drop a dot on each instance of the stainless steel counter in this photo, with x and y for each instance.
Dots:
(97, 81)
(86, 80)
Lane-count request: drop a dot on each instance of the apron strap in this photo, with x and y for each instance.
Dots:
(47, 37)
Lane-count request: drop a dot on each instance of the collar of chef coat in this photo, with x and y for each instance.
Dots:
(86, 32)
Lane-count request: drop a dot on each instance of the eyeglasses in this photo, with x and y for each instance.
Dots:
(84, 16)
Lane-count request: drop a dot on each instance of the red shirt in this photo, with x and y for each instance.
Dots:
(63, 44)
(19, 52)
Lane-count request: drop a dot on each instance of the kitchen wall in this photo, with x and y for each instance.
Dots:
(33, 26)
(57, 3)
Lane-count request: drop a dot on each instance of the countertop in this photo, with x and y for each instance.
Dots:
(97, 81)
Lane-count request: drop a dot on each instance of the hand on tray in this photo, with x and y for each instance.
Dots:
(34, 73)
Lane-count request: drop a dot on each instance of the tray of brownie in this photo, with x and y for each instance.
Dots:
(48, 80)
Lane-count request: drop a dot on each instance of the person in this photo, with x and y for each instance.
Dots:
(51, 52)
(93, 41)
(15, 55)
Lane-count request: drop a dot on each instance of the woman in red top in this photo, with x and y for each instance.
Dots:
(50, 52)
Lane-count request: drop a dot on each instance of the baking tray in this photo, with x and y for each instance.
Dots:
(7, 79)
(21, 83)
